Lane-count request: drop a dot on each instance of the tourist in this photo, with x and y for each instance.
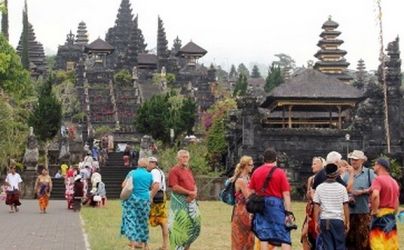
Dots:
(385, 204)
(136, 209)
(183, 230)
(13, 183)
(358, 235)
(321, 176)
(126, 156)
(309, 234)
(69, 185)
(158, 211)
(78, 193)
(43, 188)
(270, 226)
(58, 175)
(100, 195)
(63, 169)
(331, 211)
(242, 238)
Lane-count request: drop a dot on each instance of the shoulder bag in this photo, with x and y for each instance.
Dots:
(127, 189)
(159, 196)
(256, 203)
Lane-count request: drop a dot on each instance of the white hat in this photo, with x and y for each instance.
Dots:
(77, 177)
(333, 157)
(357, 155)
(152, 159)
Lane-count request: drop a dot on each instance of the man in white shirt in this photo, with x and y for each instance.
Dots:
(12, 183)
(158, 212)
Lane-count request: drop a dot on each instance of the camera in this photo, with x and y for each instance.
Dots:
(351, 201)
(290, 225)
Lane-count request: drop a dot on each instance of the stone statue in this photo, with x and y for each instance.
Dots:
(64, 153)
(31, 154)
(146, 146)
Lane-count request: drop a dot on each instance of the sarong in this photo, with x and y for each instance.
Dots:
(69, 191)
(184, 222)
(270, 225)
(135, 219)
(158, 214)
(43, 201)
(241, 236)
(359, 229)
(13, 198)
(383, 231)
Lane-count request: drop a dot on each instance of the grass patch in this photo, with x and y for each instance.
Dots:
(103, 226)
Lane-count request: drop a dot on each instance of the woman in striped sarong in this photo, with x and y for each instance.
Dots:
(43, 187)
(136, 209)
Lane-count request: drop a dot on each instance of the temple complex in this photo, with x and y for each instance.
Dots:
(331, 58)
(30, 50)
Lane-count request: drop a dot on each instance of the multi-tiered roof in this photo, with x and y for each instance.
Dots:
(331, 58)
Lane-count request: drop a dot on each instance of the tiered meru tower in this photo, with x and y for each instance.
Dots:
(331, 58)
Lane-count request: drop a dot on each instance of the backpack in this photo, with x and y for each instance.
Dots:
(227, 195)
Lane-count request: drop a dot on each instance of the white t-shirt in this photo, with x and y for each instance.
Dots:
(331, 196)
(158, 177)
(13, 180)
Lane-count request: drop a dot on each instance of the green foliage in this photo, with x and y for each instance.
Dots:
(240, 89)
(102, 130)
(169, 78)
(255, 72)
(217, 144)
(242, 69)
(46, 117)
(2, 6)
(24, 39)
(274, 77)
(51, 61)
(163, 112)
(63, 76)
(67, 95)
(14, 80)
(396, 170)
(123, 78)
(233, 72)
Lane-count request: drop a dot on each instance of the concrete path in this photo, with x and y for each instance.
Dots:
(59, 228)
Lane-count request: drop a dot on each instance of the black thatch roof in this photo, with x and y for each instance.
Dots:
(147, 59)
(192, 48)
(312, 84)
(99, 45)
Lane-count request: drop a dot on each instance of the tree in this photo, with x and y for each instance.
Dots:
(46, 117)
(164, 112)
(286, 63)
(274, 77)
(233, 72)
(240, 88)
(24, 38)
(255, 72)
(242, 69)
(4, 18)
(67, 95)
(123, 78)
(162, 49)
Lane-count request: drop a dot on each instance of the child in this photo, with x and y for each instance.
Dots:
(78, 193)
(330, 210)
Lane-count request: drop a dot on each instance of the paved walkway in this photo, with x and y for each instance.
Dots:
(28, 229)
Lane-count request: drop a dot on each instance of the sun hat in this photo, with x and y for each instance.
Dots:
(357, 155)
(77, 177)
(333, 157)
(152, 159)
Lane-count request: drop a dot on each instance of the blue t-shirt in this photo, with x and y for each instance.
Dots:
(363, 180)
(142, 182)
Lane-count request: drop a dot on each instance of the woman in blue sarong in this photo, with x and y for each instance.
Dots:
(136, 209)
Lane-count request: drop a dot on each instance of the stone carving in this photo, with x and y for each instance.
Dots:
(147, 146)
(31, 154)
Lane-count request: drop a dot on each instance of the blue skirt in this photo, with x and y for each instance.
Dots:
(135, 219)
(270, 225)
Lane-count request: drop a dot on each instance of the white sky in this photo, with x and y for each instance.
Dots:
(232, 31)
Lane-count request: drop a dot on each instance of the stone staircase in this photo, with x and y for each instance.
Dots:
(58, 190)
(113, 174)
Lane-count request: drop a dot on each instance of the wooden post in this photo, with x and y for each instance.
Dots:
(339, 117)
(290, 117)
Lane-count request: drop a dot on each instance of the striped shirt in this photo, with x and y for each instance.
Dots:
(331, 196)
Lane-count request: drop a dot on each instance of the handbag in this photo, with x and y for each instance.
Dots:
(158, 197)
(127, 189)
(227, 195)
(97, 198)
(256, 203)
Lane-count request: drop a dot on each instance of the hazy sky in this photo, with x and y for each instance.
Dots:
(232, 31)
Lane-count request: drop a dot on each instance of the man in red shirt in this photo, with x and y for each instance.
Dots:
(270, 226)
(184, 223)
(385, 193)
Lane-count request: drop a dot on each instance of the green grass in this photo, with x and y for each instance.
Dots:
(103, 225)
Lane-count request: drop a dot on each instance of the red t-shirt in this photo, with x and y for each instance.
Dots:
(277, 185)
(181, 176)
(388, 191)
